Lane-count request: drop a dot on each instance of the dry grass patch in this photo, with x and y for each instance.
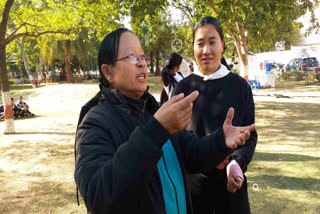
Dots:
(286, 165)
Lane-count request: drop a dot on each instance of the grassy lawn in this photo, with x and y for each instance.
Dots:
(286, 165)
(155, 84)
(17, 90)
(37, 163)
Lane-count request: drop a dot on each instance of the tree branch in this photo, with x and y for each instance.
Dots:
(24, 24)
(231, 31)
(4, 22)
(188, 9)
(8, 40)
(185, 13)
(214, 8)
(87, 10)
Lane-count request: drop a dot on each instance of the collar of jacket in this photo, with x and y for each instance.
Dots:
(114, 96)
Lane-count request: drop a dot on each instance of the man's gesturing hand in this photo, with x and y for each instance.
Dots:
(235, 135)
(175, 114)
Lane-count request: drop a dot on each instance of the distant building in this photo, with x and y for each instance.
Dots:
(308, 46)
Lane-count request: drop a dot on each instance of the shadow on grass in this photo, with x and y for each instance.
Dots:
(286, 182)
(260, 156)
(280, 122)
(274, 201)
(20, 87)
(41, 197)
(24, 118)
(51, 133)
(41, 150)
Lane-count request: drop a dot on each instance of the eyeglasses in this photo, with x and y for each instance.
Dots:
(134, 59)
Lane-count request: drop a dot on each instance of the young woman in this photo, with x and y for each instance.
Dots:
(170, 76)
(223, 189)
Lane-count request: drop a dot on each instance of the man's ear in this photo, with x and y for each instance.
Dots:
(107, 72)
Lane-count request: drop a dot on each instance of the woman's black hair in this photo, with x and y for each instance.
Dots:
(224, 62)
(212, 21)
(174, 60)
(108, 52)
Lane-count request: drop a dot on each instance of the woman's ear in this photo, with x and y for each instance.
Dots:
(107, 72)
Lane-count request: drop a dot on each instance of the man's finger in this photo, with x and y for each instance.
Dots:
(187, 112)
(247, 134)
(187, 100)
(229, 118)
(192, 97)
(175, 99)
(252, 127)
(242, 139)
(238, 142)
(247, 128)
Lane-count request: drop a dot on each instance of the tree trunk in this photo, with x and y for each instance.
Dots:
(244, 61)
(47, 72)
(8, 113)
(67, 61)
(157, 64)
(243, 53)
(40, 73)
(21, 74)
(240, 38)
(26, 65)
(151, 63)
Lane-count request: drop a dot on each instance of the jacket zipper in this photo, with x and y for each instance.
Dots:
(175, 190)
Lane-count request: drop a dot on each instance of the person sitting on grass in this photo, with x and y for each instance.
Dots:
(1, 113)
(15, 109)
(24, 108)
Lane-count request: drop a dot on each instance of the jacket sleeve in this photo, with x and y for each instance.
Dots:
(178, 89)
(109, 173)
(244, 154)
(202, 153)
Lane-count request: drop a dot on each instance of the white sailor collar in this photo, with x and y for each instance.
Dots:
(220, 73)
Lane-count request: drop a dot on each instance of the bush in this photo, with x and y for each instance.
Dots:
(286, 75)
(11, 81)
(318, 75)
(299, 75)
(309, 76)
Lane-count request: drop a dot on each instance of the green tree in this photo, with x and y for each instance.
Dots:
(33, 18)
(252, 24)
(26, 20)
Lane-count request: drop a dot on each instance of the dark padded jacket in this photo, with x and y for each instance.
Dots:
(116, 156)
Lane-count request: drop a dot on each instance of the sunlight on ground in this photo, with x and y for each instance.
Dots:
(286, 164)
